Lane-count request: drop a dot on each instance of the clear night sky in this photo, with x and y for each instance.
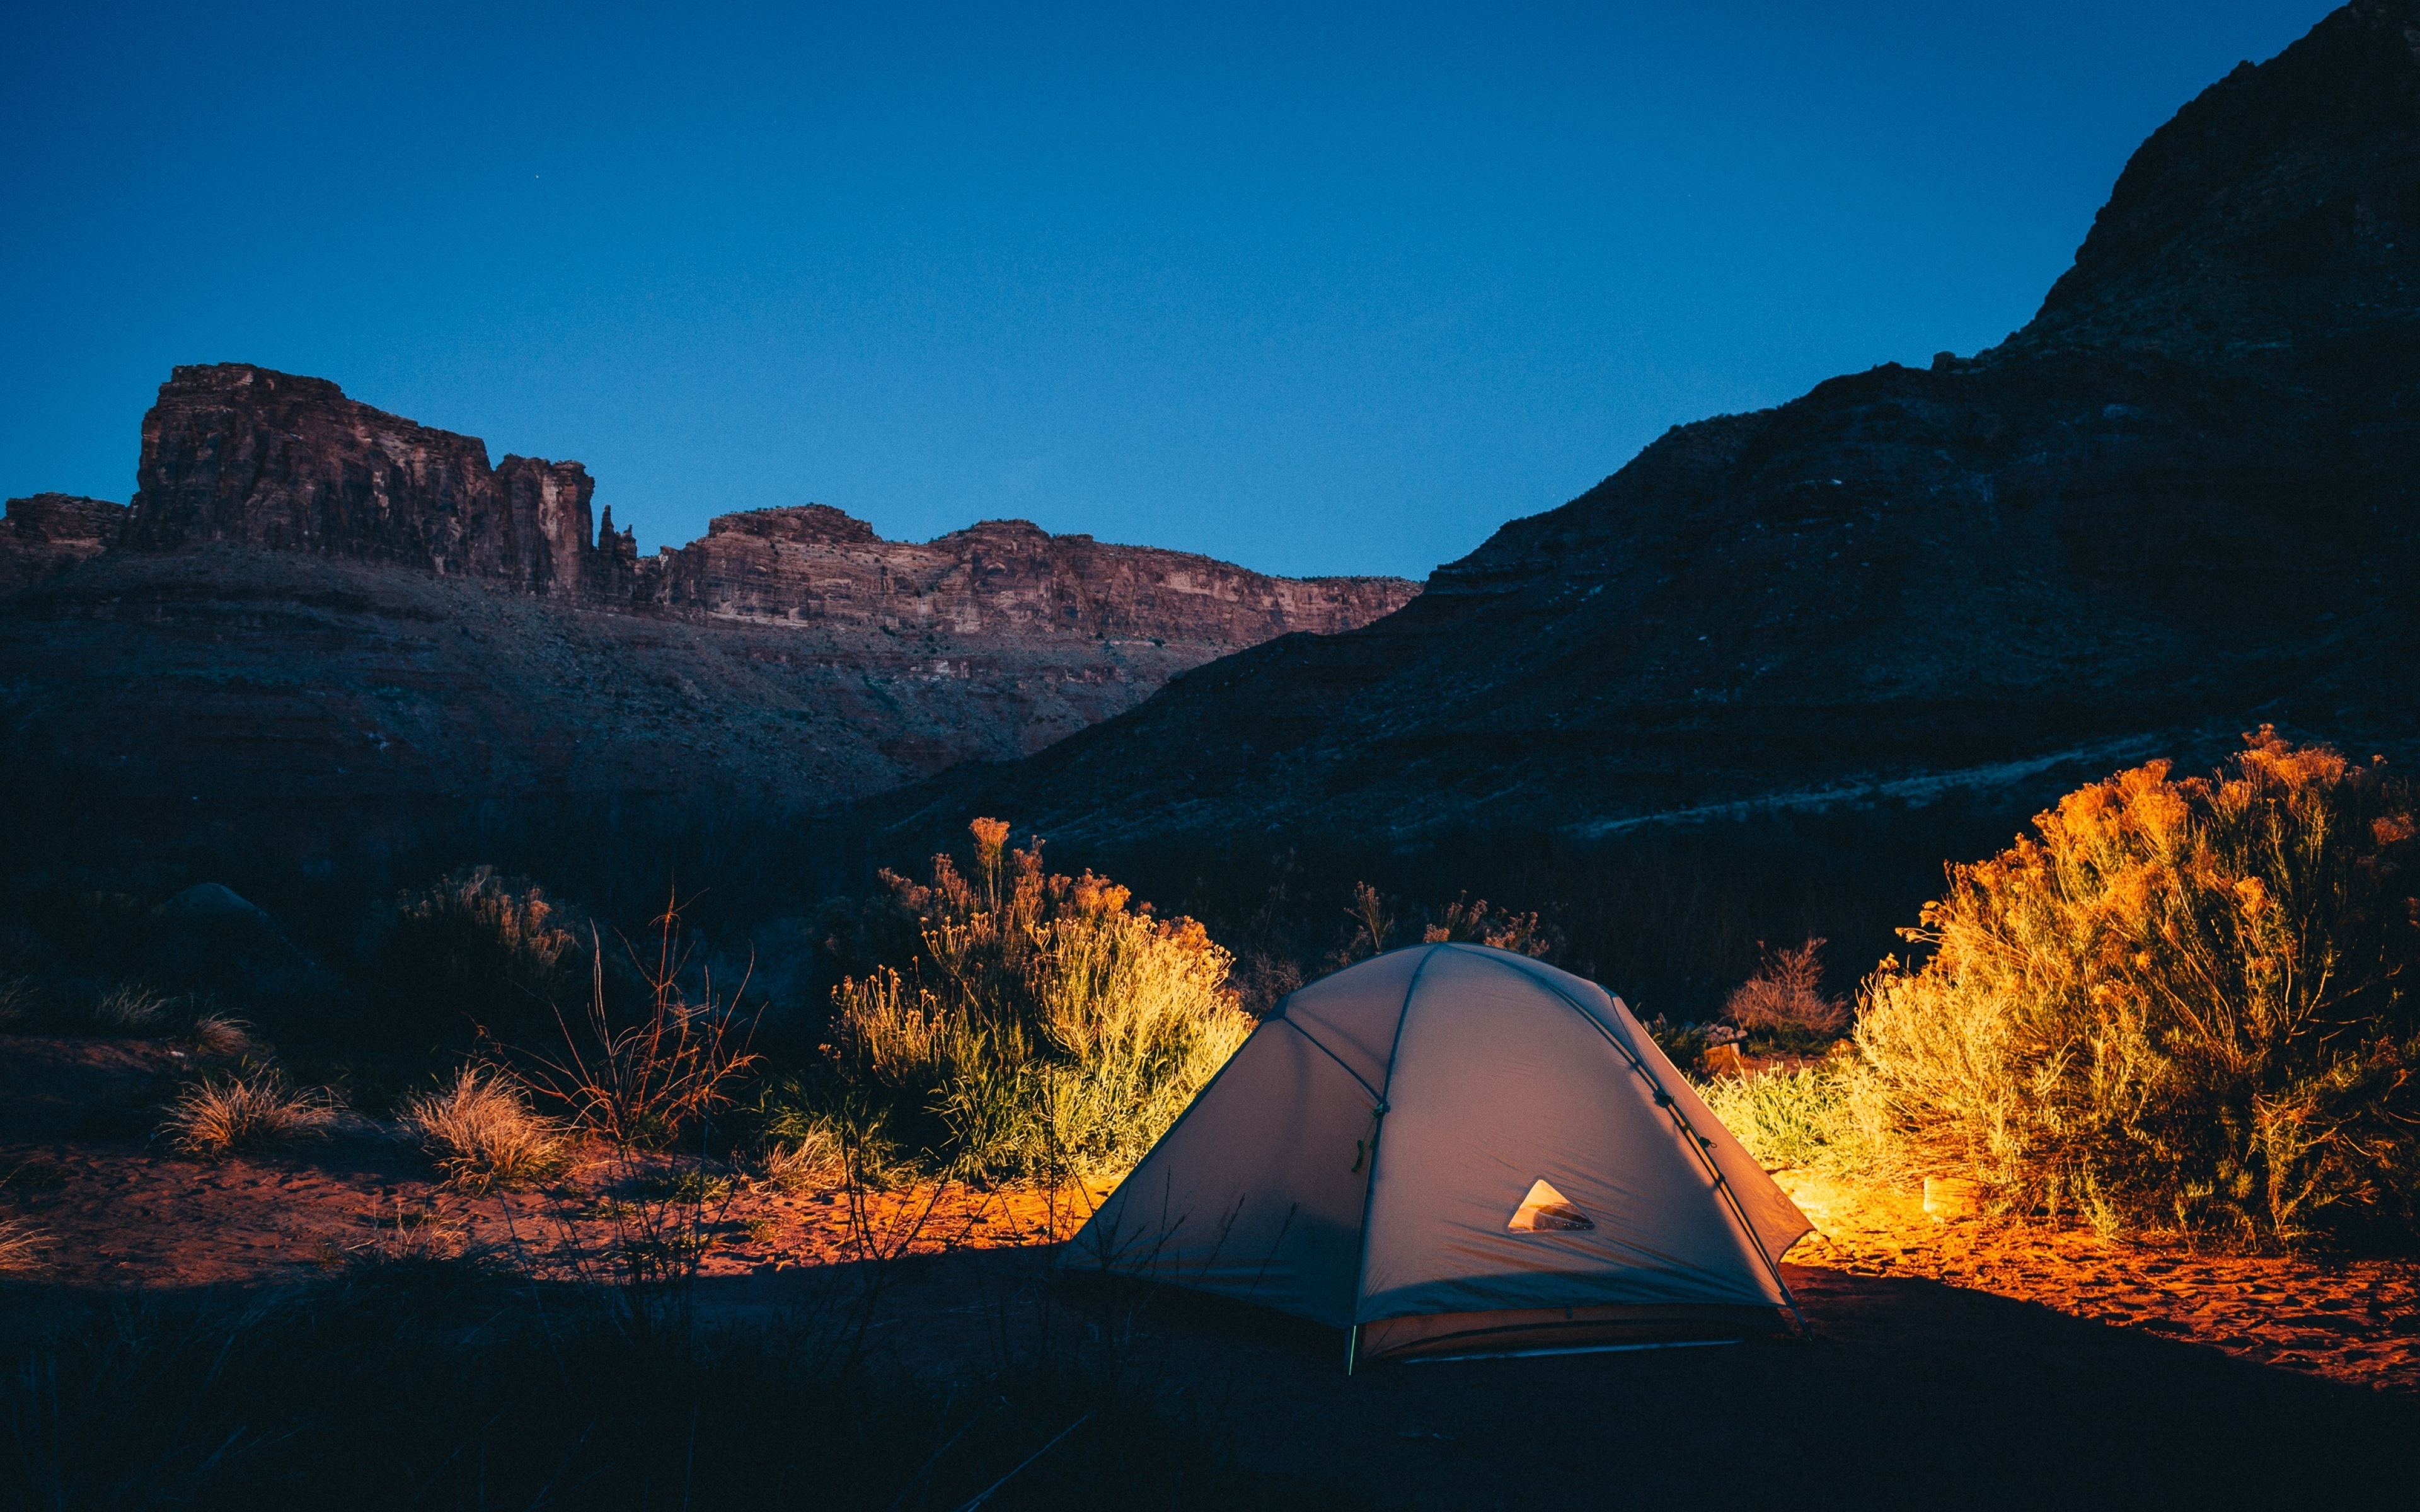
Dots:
(1314, 288)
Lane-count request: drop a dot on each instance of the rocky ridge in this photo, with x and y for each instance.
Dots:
(50, 532)
(2185, 497)
(317, 619)
(241, 454)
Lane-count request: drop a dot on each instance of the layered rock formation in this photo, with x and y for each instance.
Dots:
(318, 619)
(233, 453)
(2183, 499)
(1001, 578)
(50, 532)
(241, 454)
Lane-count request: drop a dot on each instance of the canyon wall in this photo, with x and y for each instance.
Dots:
(50, 533)
(233, 453)
(322, 625)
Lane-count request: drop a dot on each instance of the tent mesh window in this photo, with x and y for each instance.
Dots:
(1545, 1208)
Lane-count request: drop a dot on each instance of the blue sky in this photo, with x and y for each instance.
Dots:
(1312, 287)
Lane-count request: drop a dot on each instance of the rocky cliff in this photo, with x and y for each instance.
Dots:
(50, 533)
(237, 454)
(2183, 499)
(319, 620)
(241, 454)
(1003, 578)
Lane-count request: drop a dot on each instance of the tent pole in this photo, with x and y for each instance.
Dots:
(1351, 1345)
(1698, 1147)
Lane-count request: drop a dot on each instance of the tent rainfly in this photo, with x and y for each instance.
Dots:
(1450, 1151)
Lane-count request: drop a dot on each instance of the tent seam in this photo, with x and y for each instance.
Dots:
(1369, 1189)
(1672, 1110)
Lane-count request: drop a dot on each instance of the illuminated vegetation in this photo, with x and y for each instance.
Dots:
(2181, 1004)
(1045, 1025)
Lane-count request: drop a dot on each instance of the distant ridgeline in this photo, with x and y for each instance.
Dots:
(233, 453)
(321, 629)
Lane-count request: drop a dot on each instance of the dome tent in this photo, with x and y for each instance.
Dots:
(1451, 1150)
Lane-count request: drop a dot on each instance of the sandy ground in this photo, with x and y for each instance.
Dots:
(1969, 1363)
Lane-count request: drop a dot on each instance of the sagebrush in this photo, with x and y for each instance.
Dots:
(2183, 1003)
(478, 945)
(1045, 1025)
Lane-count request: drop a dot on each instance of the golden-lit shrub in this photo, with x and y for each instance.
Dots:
(1786, 997)
(2182, 1003)
(1046, 1024)
(220, 1114)
(1472, 921)
(480, 1132)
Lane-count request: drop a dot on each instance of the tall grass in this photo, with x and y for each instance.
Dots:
(641, 1080)
(2180, 1004)
(1045, 1024)
(1799, 1117)
(21, 1244)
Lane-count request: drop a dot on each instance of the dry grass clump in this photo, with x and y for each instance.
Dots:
(481, 1133)
(129, 1008)
(219, 1115)
(2181, 1004)
(813, 1159)
(1786, 997)
(494, 948)
(1046, 1025)
(18, 997)
(221, 1036)
(21, 1244)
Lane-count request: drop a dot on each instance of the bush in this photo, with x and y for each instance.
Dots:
(1043, 1025)
(2181, 1004)
(494, 949)
(1784, 1001)
(220, 1114)
(481, 1133)
(1799, 1117)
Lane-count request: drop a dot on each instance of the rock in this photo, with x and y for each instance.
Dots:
(49, 533)
(1002, 580)
(234, 453)
(237, 453)
(209, 900)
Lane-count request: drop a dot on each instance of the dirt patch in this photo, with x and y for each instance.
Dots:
(2356, 1321)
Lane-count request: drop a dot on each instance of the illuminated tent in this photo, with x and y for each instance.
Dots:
(1453, 1151)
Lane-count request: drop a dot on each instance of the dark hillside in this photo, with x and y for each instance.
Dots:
(2181, 501)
